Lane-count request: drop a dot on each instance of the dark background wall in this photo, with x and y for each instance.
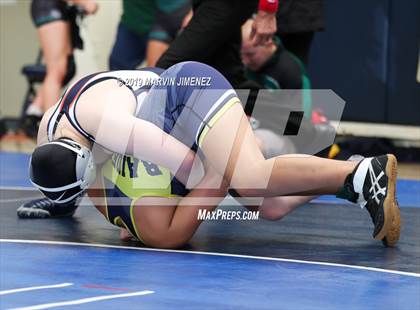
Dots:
(368, 54)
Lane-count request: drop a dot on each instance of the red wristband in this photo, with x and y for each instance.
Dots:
(269, 6)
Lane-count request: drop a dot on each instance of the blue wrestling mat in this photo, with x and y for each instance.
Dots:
(42, 275)
(321, 256)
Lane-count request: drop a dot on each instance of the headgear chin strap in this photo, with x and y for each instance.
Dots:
(85, 171)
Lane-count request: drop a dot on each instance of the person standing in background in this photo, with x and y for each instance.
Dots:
(171, 17)
(52, 20)
(129, 49)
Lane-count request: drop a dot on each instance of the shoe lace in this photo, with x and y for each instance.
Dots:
(376, 187)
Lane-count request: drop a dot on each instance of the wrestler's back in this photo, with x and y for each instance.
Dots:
(108, 92)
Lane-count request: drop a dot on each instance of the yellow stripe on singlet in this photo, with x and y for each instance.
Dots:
(216, 117)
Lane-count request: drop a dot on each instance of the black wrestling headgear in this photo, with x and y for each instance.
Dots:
(62, 169)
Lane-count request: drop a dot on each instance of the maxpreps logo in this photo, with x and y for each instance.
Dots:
(227, 215)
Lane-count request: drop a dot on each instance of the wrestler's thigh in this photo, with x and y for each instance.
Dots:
(231, 147)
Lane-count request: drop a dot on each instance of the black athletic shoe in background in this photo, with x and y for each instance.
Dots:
(45, 208)
(372, 184)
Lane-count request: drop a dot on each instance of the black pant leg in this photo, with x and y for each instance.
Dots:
(213, 37)
(299, 44)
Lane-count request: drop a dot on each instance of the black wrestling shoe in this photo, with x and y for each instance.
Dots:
(372, 185)
(45, 208)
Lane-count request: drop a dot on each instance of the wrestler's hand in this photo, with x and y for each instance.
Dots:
(126, 236)
(263, 28)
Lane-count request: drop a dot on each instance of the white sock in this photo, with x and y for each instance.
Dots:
(34, 110)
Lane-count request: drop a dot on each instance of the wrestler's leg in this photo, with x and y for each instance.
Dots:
(56, 47)
(275, 208)
(231, 147)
